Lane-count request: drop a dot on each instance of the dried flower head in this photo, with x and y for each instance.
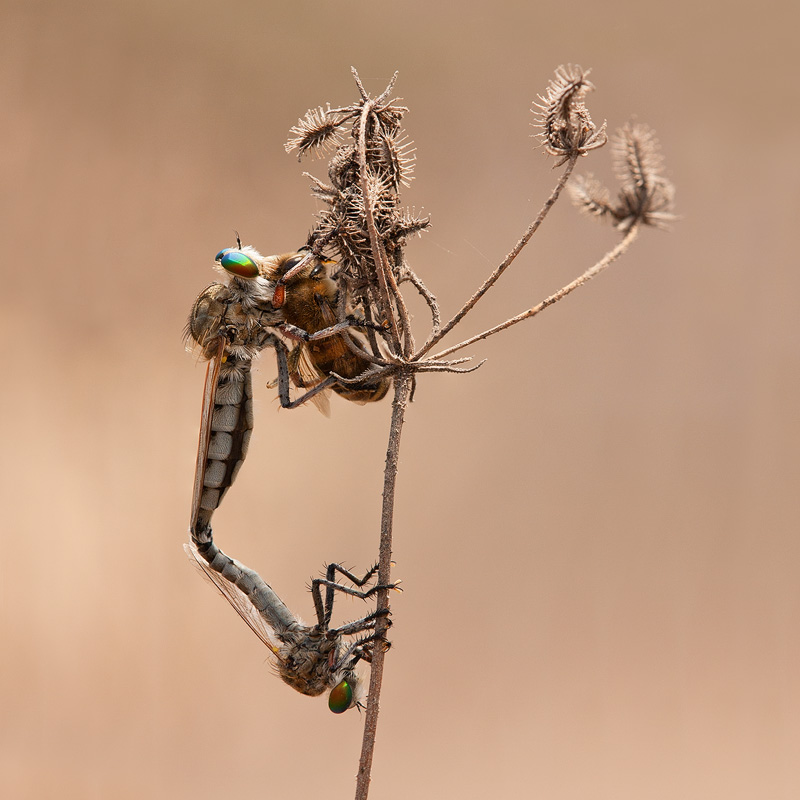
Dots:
(567, 130)
(645, 195)
(357, 196)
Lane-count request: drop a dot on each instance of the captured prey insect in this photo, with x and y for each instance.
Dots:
(311, 659)
(308, 298)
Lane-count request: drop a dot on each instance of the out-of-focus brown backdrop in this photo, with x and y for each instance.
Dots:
(597, 532)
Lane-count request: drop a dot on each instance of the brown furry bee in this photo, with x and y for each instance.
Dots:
(308, 307)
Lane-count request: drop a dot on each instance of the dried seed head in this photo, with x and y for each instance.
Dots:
(567, 129)
(318, 130)
(645, 195)
(590, 196)
(361, 200)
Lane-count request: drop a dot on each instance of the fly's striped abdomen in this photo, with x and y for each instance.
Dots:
(230, 428)
(260, 607)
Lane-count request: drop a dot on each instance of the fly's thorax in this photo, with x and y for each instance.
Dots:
(221, 312)
(207, 315)
(309, 661)
(305, 659)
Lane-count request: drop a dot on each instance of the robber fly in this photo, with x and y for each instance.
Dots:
(311, 659)
(232, 322)
(309, 306)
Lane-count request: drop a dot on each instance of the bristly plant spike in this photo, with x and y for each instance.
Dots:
(318, 130)
(566, 127)
(364, 228)
(645, 195)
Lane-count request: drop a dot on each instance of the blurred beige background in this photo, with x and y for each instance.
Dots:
(597, 533)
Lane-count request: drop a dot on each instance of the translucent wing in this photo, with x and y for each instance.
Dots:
(238, 599)
(206, 415)
(305, 374)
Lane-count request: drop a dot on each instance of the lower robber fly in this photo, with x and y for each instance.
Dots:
(311, 659)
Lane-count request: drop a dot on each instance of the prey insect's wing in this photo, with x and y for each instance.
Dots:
(306, 375)
(238, 599)
(206, 416)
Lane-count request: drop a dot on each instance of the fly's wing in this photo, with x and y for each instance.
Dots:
(241, 603)
(206, 416)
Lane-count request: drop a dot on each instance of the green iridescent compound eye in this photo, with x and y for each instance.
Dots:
(340, 698)
(218, 256)
(237, 263)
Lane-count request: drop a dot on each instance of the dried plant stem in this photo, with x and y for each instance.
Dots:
(402, 388)
(378, 253)
(368, 230)
(492, 279)
(386, 280)
(608, 258)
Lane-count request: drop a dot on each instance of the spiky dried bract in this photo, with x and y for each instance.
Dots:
(406, 224)
(637, 155)
(395, 157)
(567, 129)
(318, 130)
(645, 193)
(645, 196)
(590, 196)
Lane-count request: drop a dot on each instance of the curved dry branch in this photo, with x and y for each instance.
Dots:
(436, 337)
(608, 258)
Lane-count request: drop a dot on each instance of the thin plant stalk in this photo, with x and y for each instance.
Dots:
(501, 268)
(605, 261)
(402, 389)
(366, 226)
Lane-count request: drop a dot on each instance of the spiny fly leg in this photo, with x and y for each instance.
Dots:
(364, 624)
(332, 585)
(362, 649)
(351, 321)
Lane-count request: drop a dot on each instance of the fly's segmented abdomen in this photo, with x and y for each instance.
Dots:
(231, 426)
(262, 609)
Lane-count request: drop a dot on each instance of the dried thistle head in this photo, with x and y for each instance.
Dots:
(567, 130)
(355, 193)
(645, 195)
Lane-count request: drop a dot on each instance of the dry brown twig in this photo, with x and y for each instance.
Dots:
(367, 230)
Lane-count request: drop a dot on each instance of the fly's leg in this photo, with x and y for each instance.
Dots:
(282, 353)
(361, 650)
(320, 387)
(325, 611)
(351, 321)
(360, 625)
